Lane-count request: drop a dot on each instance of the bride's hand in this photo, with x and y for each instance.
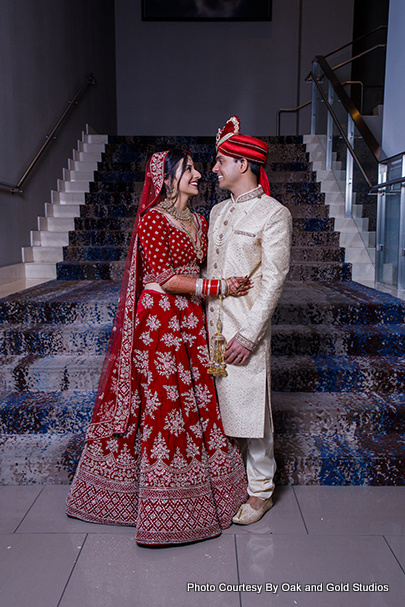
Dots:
(238, 285)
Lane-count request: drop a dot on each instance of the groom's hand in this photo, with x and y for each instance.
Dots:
(235, 353)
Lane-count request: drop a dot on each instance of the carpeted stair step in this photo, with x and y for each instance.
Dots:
(90, 270)
(43, 412)
(47, 459)
(317, 303)
(314, 239)
(351, 340)
(320, 271)
(362, 460)
(100, 238)
(60, 302)
(384, 374)
(317, 254)
(45, 340)
(112, 270)
(50, 373)
(338, 413)
(306, 210)
(89, 254)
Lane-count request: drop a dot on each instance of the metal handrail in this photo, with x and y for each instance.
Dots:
(361, 91)
(288, 110)
(339, 126)
(356, 40)
(17, 188)
(359, 55)
(349, 106)
(385, 184)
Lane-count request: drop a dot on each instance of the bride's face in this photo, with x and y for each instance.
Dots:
(188, 185)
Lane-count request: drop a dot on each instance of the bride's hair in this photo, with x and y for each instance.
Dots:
(173, 158)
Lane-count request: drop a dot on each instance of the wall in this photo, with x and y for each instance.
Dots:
(46, 50)
(188, 78)
(394, 94)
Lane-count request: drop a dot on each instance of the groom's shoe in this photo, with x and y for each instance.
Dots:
(247, 515)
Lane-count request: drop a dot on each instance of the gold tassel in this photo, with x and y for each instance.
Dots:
(217, 348)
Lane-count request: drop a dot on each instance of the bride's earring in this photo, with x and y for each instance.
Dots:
(171, 192)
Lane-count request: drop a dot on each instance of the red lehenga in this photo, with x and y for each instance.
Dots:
(156, 456)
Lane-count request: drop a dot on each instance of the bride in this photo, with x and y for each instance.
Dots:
(156, 456)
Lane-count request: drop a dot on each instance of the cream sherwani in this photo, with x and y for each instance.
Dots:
(251, 235)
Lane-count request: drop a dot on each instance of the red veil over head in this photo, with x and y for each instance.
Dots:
(120, 345)
(232, 143)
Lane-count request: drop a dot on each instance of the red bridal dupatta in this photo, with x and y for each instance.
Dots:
(113, 401)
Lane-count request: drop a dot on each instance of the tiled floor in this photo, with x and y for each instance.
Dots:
(333, 538)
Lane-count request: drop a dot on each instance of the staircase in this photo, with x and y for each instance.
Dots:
(338, 375)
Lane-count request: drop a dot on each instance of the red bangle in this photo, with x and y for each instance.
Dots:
(211, 287)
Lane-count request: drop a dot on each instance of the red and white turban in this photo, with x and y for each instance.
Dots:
(230, 142)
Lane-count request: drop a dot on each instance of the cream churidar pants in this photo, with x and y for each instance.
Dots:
(258, 454)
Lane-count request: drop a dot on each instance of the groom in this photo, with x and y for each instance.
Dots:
(249, 234)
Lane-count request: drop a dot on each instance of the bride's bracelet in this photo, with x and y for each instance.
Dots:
(211, 288)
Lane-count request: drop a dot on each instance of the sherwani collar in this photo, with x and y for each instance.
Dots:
(248, 195)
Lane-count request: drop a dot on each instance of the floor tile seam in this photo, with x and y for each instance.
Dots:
(300, 510)
(393, 554)
(311, 534)
(72, 570)
(27, 512)
(237, 569)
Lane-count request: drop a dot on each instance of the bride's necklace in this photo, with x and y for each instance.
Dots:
(182, 216)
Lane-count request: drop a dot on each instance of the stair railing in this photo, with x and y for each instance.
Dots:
(16, 189)
(390, 242)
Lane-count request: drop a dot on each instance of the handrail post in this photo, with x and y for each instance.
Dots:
(401, 240)
(379, 249)
(314, 100)
(329, 130)
(349, 169)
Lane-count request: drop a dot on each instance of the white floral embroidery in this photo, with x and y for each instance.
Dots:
(190, 322)
(141, 361)
(184, 374)
(159, 449)
(189, 402)
(178, 460)
(217, 439)
(192, 451)
(164, 303)
(203, 396)
(112, 445)
(125, 458)
(147, 300)
(146, 338)
(173, 324)
(135, 402)
(174, 422)
(153, 323)
(197, 430)
(181, 302)
(189, 339)
(202, 354)
(147, 431)
(172, 392)
(195, 373)
(171, 341)
(152, 401)
(165, 364)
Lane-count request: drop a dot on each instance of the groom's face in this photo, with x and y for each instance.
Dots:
(227, 170)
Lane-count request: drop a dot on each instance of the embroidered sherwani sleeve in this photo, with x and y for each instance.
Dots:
(275, 263)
